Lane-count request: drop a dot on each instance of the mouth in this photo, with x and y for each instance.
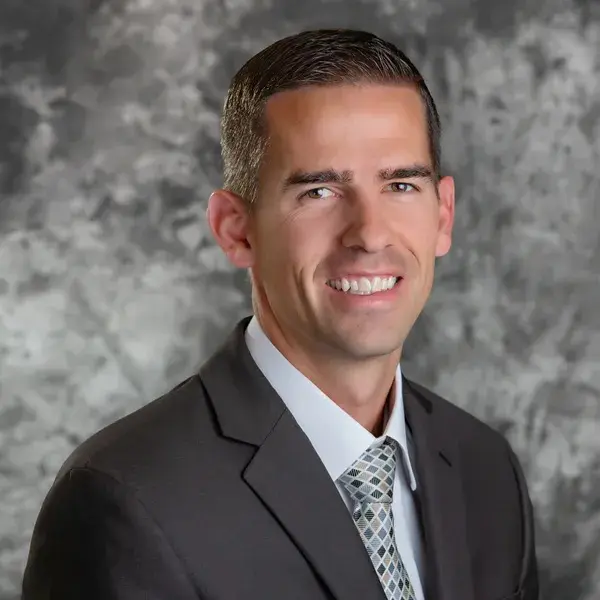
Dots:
(364, 286)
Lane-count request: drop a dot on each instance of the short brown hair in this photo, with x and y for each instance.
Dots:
(311, 58)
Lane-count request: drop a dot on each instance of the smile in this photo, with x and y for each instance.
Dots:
(363, 286)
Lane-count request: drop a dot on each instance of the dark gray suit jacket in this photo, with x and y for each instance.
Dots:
(214, 492)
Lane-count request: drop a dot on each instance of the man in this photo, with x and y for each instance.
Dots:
(299, 463)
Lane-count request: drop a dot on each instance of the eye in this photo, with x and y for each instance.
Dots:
(402, 187)
(318, 193)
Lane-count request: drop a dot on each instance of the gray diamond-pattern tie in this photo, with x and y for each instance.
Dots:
(370, 483)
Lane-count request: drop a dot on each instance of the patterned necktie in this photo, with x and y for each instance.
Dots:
(370, 482)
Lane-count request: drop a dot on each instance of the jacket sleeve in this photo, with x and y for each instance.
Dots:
(93, 539)
(529, 580)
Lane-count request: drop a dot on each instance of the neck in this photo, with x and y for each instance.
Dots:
(361, 387)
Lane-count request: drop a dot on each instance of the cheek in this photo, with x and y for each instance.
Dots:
(279, 252)
(304, 240)
(418, 227)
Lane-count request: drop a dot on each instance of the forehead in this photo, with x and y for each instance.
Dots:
(346, 123)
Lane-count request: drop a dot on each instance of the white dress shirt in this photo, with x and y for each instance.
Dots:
(339, 440)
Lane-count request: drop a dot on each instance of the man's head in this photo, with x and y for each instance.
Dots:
(330, 143)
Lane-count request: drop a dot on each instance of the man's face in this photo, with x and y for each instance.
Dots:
(346, 200)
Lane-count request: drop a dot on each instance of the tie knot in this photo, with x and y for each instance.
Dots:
(371, 477)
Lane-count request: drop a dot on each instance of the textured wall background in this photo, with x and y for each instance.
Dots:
(111, 290)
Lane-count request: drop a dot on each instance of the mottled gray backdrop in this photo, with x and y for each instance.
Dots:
(111, 289)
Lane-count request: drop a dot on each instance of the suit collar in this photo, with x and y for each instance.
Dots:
(246, 406)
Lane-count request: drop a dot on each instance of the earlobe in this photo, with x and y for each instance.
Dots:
(228, 219)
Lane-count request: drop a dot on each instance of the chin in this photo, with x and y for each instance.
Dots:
(367, 347)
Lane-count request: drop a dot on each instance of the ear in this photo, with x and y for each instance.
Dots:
(229, 220)
(446, 215)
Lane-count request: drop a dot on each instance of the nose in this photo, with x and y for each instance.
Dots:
(367, 228)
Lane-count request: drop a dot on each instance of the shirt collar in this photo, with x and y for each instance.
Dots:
(337, 438)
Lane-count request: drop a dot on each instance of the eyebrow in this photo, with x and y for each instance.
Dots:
(333, 176)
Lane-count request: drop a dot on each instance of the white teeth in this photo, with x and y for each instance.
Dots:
(363, 286)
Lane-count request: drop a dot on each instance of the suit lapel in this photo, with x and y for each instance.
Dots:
(441, 500)
(286, 472)
(291, 480)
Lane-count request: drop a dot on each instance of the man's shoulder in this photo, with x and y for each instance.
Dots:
(149, 438)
